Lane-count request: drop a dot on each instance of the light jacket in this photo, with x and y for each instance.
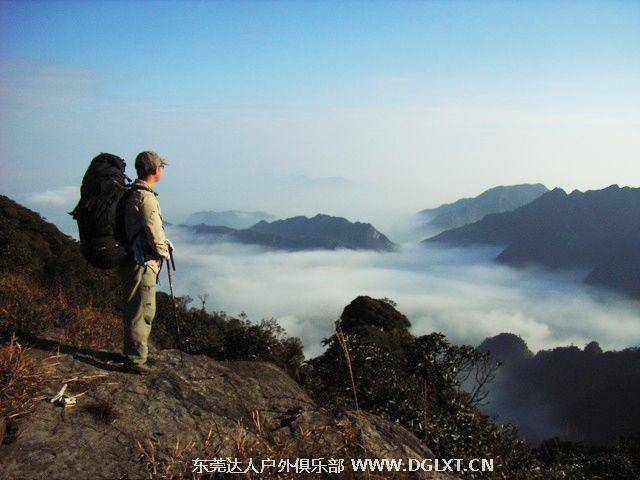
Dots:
(143, 224)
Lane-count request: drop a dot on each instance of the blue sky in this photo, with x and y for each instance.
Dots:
(296, 53)
(411, 103)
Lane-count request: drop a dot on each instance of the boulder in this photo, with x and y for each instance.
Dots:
(365, 312)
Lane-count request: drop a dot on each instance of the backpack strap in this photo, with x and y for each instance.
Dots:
(140, 231)
(138, 186)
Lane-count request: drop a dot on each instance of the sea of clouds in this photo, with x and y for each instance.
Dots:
(460, 292)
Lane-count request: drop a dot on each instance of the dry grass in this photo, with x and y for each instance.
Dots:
(343, 344)
(28, 308)
(91, 328)
(22, 380)
(25, 307)
(258, 442)
(26, 379)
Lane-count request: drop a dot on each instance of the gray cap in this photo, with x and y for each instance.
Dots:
(147, 161)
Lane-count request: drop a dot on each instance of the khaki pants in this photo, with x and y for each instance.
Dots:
(139, 309)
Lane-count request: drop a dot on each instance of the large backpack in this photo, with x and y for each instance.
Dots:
(100, 212)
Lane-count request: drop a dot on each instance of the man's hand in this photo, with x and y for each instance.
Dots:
(170, 245)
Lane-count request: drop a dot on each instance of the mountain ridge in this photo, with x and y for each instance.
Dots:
(471, 209)
(595, 229)
(573, 390)
(237, 219)
(303, 233)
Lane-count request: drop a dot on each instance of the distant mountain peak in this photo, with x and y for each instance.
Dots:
(494, 200)
(303, 233)
(228, 218)
(596, 229)
(339, 230)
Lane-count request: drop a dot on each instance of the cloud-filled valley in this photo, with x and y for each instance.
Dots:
(458, 291)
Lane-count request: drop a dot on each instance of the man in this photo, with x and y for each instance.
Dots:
(139, 274)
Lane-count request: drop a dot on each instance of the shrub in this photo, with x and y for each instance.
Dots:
(416, 382)
(224, 337)
(564, 460)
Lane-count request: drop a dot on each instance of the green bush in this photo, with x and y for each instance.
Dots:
(417, 384)
(224, 337)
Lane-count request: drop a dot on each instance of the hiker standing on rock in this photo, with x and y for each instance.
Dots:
(140, 273)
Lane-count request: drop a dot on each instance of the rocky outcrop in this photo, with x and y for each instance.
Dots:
(506, 348)
(125, 426)
(367, 312)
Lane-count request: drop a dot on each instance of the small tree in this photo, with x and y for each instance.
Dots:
(203, 297)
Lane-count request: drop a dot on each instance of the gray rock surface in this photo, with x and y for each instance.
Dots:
(253, 401)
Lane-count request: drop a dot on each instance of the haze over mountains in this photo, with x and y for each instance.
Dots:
(325, 231)
(469, 210)
(301, 233)
(580, 394)
(598, 230)
(229, 218)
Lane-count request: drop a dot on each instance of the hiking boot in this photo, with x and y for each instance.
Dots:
(139, 368)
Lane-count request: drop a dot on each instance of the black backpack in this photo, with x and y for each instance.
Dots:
(100, 212)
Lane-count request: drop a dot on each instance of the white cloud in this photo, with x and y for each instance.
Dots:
(461, 293)
(60, 197)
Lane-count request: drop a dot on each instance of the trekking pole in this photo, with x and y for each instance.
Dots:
(173, 263)
(173, 301)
